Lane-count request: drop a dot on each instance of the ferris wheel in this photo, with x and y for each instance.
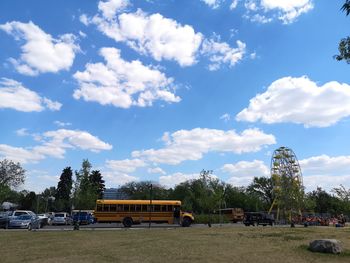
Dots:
(288, 190)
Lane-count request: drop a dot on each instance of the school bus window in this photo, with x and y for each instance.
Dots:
(113, 208)
(126, 208)
(119, 208)
(132, 208)
(156, 208)
(170, 208)
(99, 208)
(163, 208)
(144, 208)
(106, 208)
(138, 208)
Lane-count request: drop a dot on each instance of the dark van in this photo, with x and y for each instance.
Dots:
(258, 218)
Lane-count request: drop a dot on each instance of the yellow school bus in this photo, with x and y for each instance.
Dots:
(131, 212)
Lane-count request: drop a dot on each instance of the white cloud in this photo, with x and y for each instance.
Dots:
(14, 95)
(41, 52)
(54, 144)
(111, 7)
(221, 53)
(125, 166)
(287, 11)
(225, 117)
(122, 83)
(116, 179)
(213, 3)
(252, 169)
(299, 100)
(62, 124)
(185, 145)
(154, 35)
(18, 154)
(243, 172)
(156, 170)
(234, 4)
(325, 171)
(22, 132)
(170, 181)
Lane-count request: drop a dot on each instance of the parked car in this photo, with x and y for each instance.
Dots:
(61, 218)
(25, 221)
(82, 217)
(16, 213)
(4, 220)
(258, 218)
(44, 219)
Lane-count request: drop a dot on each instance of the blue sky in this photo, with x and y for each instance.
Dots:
(159, 90)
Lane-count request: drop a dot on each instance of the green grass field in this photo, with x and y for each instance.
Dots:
(216, 244)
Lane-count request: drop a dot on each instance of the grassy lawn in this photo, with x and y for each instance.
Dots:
(224, 244)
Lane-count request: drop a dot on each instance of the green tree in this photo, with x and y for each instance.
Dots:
(344, 44)
(97, 183)
(11, 173)
(141, 190)
(263, 188)
(63, 191)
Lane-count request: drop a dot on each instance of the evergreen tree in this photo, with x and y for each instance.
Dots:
(97, 183)
(64, 188)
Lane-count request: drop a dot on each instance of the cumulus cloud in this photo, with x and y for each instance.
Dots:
(154, 35)
(170, 181)
(62, 124)
(125, 166)
(41, 52)
(123, 84)
(54, 144)
(156, 170)
(111, 7)
(116, 179)
(253, 169)
(185, 145)
(287, 11)
(221, 53)
(301, 101)
(243, 172)
(234, 4)
(13, 95)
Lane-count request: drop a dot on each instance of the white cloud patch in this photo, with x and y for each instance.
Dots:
(154, 35)
(251, 169)
(234, 4)
(221, 53)
(212, 3)
(170, 181)
(125, 166)
(123, 84)
(185, 145)
(287, 11)
(225, 117)
(13, 95)
(156, 170)
(111, 7)
(301, 101)
(62, 124)
(116, 179)
(54, 144)
(41, 52)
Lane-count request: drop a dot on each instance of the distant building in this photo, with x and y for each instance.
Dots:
(114, 194)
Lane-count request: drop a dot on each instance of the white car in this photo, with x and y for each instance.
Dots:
(62, 218)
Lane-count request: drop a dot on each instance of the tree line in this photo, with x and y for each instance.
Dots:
(201, 196)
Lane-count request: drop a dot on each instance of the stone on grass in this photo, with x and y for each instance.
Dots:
(332, 246)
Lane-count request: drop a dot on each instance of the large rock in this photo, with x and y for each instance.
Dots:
(326, 246)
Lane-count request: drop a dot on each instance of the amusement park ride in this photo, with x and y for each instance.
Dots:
(288, 190)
